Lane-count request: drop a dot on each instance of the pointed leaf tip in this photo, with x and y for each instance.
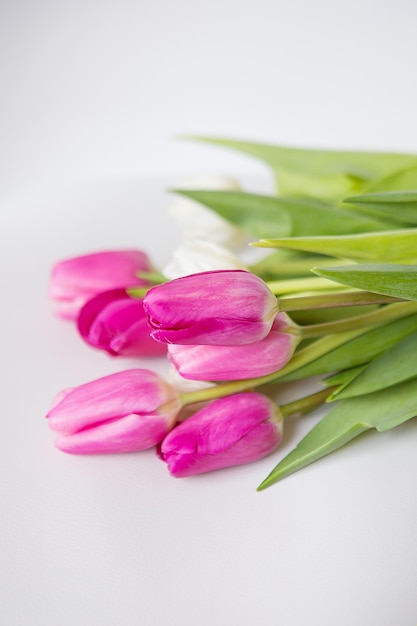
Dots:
(383, 409)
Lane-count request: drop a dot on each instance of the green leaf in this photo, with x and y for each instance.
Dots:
(357, 351)
(319, 316)
(399, 281)
(264, 216)
(404, 178)
(397, 246)
(320, 173)
(287, 263)
(393, 366)
(255, 214)
(397, 205)
(381, 410)
(343, 377)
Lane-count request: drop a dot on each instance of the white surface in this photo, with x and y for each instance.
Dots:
(92, 92)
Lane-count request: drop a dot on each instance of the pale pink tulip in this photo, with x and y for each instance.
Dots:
(123, 412)
(76, 280)
(237, 362)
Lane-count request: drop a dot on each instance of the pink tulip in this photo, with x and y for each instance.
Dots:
(117, 323)
(224, 307)
(230, 431)
(123, 412)
(237, 362)
(78, 279)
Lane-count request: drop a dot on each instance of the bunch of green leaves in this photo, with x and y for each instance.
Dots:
(350, 218)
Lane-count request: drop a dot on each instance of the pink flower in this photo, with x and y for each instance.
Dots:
(224, 307)
(78, 279)
(237, 362)
(124, 412)
(117, 323)
(230, 431)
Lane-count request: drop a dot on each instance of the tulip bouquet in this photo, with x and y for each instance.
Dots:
(335, 297)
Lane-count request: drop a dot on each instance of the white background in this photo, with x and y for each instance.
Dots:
(93, 94)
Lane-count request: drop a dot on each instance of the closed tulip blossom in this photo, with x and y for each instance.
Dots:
(118, 324)
(76, 280)
(230, 431)
(200, 256)
(225, 307)
(197, 221)
(217, 363)
(123, 412)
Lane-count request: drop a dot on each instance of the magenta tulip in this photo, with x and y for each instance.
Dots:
(117, 323)
(225, 307)
(237, 362)
(78, 279)
(123, 412)
(230, 431)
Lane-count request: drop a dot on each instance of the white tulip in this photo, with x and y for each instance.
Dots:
(200, 256)
(199, 222)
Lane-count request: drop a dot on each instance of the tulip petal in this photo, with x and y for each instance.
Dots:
(214, 331)
(237, 362)
(117, 395)
(75, 280)
(130, 433)
(117, 323)
(250, 447)
(223, 307)
(229, 431)
(99, 271)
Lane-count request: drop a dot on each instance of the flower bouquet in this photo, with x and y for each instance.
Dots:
(333, 298)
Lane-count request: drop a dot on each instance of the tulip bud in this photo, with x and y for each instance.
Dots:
(200, 256)
(230, 431)
(228, 307)
(199, 222)
(78, 279)
(117, 323)
(237, 362)
(123, 412)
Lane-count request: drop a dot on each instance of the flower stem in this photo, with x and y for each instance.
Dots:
(383, 315)
(295, 285)
(301, 358)
(333, 300)
(306, 404)
(291, 266)
(152, 277)
(138, 292)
